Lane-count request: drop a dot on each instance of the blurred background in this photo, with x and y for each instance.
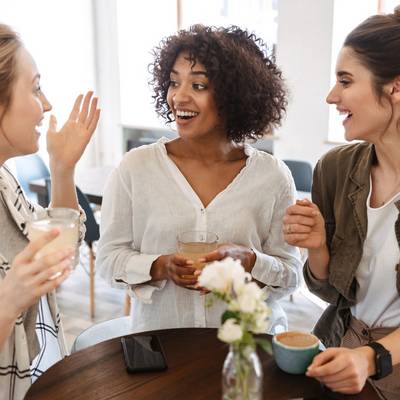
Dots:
(106, 45)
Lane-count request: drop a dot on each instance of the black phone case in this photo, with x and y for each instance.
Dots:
(157, 363)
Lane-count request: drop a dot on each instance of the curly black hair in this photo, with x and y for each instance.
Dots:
(248, 87)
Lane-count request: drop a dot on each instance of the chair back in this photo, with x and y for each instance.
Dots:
(302, 174)
(92, 227)
(102, 331)
(28, 169)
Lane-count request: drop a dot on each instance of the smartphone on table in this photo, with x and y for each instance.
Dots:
(143, 354)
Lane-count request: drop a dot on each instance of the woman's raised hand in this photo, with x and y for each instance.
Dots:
(29, 278)
(67, 145)
(304, 226)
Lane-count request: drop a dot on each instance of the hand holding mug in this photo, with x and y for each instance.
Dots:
(343, 370)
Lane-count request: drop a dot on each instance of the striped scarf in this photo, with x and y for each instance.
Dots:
(22, 345)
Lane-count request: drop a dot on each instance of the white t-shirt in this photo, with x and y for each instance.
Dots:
(148, 201)
(378, 302)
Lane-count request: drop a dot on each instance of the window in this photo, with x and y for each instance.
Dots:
(142, 28)
(258, 16)
(64, 56)
(347, 15)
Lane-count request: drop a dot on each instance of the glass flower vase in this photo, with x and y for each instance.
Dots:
(242, 374)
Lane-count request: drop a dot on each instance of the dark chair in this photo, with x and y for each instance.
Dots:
(302, 174)
(29, 168)
(92, 234)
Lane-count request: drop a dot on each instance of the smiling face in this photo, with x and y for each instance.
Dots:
(19, 133)
(191, 100)
(365, 118)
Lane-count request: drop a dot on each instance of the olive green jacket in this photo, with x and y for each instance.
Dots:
(341, 185)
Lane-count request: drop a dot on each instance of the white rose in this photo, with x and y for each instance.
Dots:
(261, 320)
(261, 325)
(222, 276)
(213, 277)
(239, 276)
(230, 331)
(249, 297)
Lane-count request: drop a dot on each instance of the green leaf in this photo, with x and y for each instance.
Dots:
(229, 314)
(264, 344)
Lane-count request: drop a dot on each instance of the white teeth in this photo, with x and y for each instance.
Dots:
(345, 113)
(181, 113)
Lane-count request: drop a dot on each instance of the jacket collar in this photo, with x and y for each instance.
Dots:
(360, 178)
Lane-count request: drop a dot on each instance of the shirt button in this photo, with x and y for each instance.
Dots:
(364, 332)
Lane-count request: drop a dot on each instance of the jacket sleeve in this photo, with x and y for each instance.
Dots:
(119, 259)
(278, 265)
(322, 198)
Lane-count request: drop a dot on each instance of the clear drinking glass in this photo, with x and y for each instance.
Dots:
(65, 219)
(196, 244)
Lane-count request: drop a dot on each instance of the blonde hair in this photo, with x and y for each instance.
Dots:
(10, 43)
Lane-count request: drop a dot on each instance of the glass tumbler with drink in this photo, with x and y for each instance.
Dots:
(66, 220)
(194, 245)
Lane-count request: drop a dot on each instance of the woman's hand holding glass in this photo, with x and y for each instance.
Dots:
(245, 255)
(67, 145)
(176, 268)
(183, 272)
(29, 277)
(304, 226)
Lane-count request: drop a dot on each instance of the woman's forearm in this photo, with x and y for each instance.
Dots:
(318, 260)
(63, 192)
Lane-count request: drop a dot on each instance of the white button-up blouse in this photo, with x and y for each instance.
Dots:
(148, 201)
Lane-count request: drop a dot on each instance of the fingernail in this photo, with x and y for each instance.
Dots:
(189, 262)
(201, 259)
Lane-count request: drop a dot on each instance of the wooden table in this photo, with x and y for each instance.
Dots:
(194, 356)
(91, 181)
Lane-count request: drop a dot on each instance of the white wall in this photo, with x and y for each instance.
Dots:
(304, 55)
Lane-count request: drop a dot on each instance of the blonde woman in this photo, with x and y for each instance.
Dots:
(31, 337)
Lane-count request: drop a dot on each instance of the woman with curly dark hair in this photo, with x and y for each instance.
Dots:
(220, 87)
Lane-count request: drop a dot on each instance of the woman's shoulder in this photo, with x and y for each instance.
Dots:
(270, 170)
(347, 154)
(140, 157)
(7, 178)
(265, 160)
